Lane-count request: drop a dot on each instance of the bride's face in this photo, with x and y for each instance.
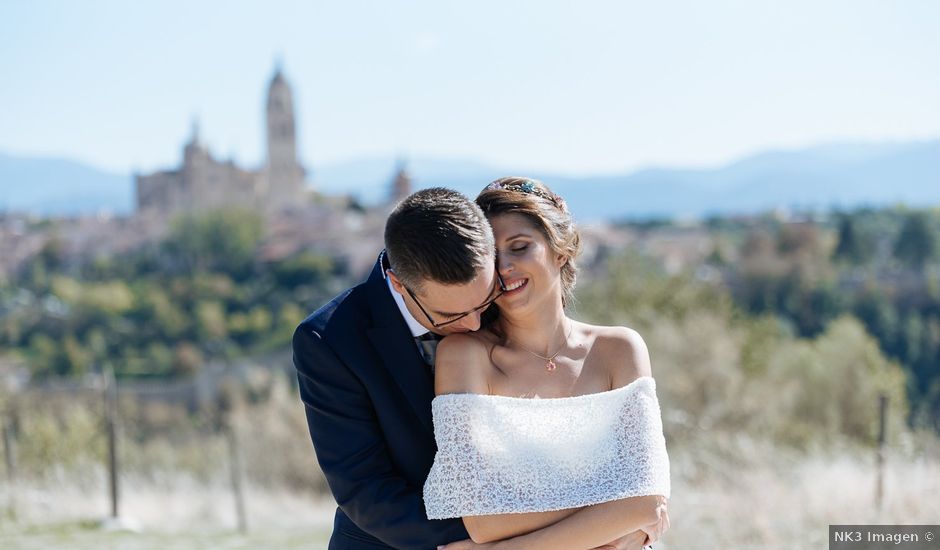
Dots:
(529, 268)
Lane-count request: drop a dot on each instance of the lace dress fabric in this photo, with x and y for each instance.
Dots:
(499, 455)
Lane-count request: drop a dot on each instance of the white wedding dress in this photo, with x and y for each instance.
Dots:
(499, 455)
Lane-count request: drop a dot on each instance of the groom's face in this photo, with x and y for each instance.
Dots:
(459, 306)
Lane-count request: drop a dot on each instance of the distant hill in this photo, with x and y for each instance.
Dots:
(838, 175)
(820, 177)
(52, 186)
(842, 175)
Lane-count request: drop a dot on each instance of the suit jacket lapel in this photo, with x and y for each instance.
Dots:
(395, 345)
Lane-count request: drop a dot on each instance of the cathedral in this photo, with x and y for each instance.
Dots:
(204, 183)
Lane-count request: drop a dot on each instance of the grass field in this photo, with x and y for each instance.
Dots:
(165, 517)
(86, 535)
(737, 502)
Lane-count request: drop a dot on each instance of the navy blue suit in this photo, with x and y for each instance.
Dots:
(367, 394)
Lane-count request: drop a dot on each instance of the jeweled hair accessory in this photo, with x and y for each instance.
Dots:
(529, 187)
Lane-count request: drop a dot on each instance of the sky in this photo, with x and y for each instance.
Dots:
(584, 87)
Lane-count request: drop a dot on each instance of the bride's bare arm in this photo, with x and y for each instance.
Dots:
(591, 526)
(584, 528)
(490, 528)
(462, 365)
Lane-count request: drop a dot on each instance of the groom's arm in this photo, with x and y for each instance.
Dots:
(352, 454)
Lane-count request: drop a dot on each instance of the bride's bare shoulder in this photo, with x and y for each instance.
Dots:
(463, 364)
(622, 351)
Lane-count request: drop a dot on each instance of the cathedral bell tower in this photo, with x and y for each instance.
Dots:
(285, 176)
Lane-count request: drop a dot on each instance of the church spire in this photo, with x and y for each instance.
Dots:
(194, 131)
(284, 173)
(401, 185)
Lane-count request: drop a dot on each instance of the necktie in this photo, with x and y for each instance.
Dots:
(427, 343)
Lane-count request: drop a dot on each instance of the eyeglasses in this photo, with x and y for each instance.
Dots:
(501, 289)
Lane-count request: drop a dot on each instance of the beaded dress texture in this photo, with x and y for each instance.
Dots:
(499, 455)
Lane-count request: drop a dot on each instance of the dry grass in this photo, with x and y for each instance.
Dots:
(189, 515)
(764, 498)
(729, 490)
(785, 501)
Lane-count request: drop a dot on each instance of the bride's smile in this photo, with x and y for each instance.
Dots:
(515, 285)
(524, 259)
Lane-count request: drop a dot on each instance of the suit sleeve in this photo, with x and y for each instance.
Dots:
(352, 454)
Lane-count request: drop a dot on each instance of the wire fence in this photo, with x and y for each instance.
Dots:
(233, 427)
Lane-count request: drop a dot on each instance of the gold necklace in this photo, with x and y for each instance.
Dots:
(550, 365)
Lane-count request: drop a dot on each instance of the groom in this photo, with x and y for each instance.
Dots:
(364, 363)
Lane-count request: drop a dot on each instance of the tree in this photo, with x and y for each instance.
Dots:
(305, 268)
(828, 386)
(917, 244)
(880, 317)
(852, 245)
(52, 254)
(221, 240)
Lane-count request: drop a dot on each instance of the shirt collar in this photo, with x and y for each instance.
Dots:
(416, 328)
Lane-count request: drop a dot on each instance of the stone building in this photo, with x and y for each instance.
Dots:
(204, 182)
(401, 184)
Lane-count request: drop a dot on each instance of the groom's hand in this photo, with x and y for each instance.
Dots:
(632, 541)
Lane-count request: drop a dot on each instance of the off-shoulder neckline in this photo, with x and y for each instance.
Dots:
(644, 379)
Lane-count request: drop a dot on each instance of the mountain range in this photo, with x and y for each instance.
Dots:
(842, 175)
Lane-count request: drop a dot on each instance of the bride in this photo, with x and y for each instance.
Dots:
(548, 429)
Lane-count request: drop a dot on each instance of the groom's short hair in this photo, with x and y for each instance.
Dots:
(440, 235)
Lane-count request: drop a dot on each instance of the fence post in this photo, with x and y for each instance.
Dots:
(229, 404)
(110, 421)
(882, 435)
(236, 474)
(9, 455)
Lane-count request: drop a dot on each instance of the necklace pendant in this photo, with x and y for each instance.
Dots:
(550, 366)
